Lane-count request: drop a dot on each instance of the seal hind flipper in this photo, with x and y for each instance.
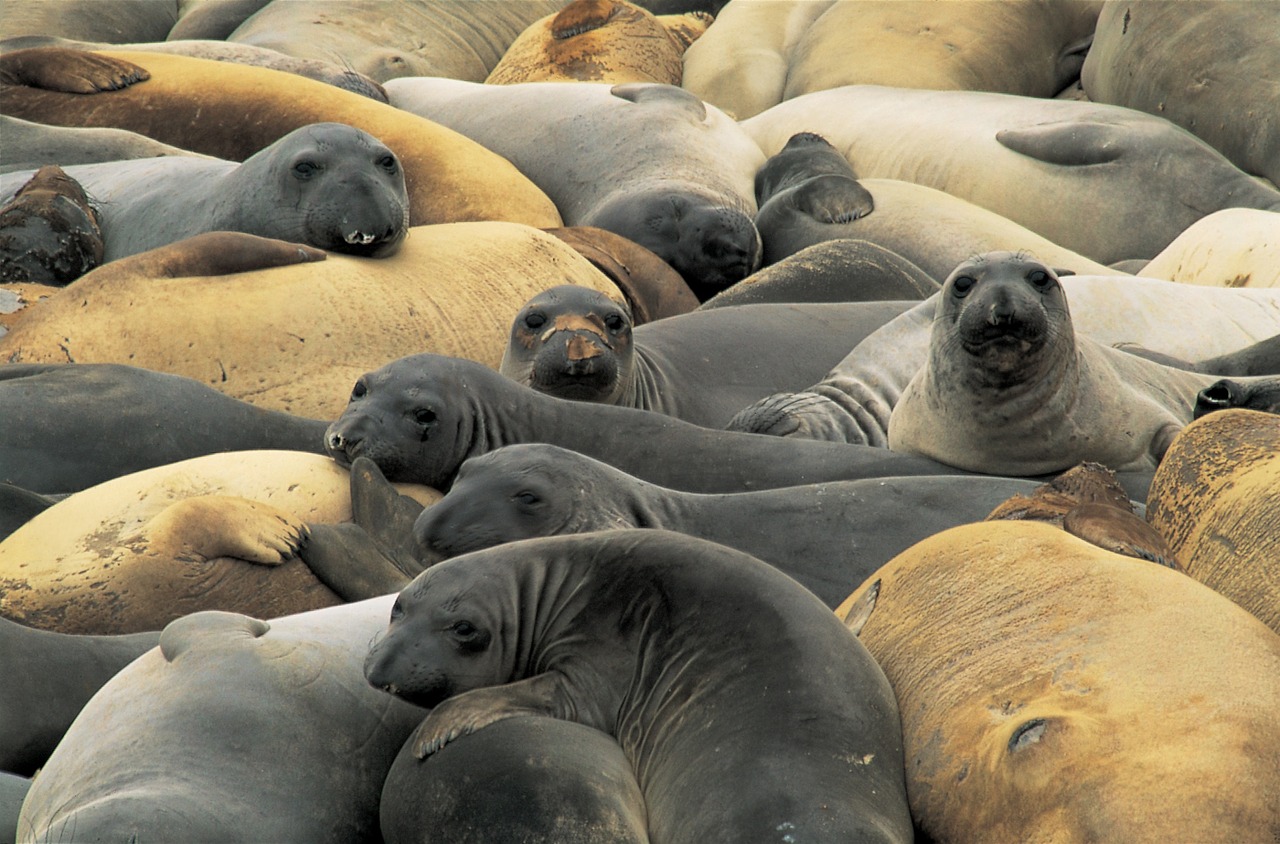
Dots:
(69, 71)
(1069, 144)
(210, 526)
(386, 515)
(833, 199)
(641, 93)
(859, 612)
(347, 560)
(179, 634)
(1119, 531)
(582, 16)
(472, 710)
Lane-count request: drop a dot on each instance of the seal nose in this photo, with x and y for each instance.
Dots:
(581, 348)
(1219, 395)
(336, 441)
(1002, 310)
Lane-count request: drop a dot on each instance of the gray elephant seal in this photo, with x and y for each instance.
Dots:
(1009, 388)
(30, 146)
(1260, 394)
(327, 184)
(576, 343)
(677, 647)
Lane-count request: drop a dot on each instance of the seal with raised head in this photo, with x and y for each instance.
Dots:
(576, 343)
(327, 185)
(1009, 388)
(49, 232)
(418, 418)
(678, 648)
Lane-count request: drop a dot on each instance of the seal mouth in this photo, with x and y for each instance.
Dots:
(1008, 337)
(360, 238)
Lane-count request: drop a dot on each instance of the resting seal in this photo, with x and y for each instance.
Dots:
(576, 343)
(418, 418)
(642, 634)
(1051, 690)
(49, 232)
(1010, 389)
(1234, 247)
(328, 185)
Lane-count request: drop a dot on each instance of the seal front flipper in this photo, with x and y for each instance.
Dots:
(833, 199)
(386, 516)
(1070, 144)
(68, 71)
(1120, 531)
(210, 526)
(470, 711)
(642, 93)
(216, 253)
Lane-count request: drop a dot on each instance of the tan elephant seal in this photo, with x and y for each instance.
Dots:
(214, 532)
(1234, 247)
(1054, 691)
(1009, 388)
(598, 41)
(231, 111)
(295, 338)
(761, 52)
(1216, 497)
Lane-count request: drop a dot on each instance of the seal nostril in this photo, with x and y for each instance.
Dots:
(336, 441)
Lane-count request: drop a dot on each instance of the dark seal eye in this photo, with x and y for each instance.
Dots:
(469, 637)
(304, 169)
(613, 322)
(1027, 734)
(359, 391)
(535, 320)
(388, 163)
(424, 416)
(527, 498)
(962, 285)
(1040, 280)
(464, 628)
(397, 610)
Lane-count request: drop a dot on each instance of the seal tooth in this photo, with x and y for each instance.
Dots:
(359, 237)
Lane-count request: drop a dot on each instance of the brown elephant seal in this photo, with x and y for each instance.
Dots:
(232, 111)
(1043, 696)
(49, 677)
(546, 781)
(1144, 179)
(1009, 387)
(452, 288)
(576, 343)
(680, 171)
(240, 696)
(1088, 501)
(327, 185)
(1165, 59)
(598, 41)
(408, 417)
(49, 232)
(1214, 498)
(215, 532)
(640, 634)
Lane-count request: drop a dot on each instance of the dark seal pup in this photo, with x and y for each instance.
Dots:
(49, 232)
(747, 710)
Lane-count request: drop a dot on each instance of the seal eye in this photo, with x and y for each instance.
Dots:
(1040, 280)
(397, 610)
(961, 285)
(304, 169)
(360, 390)
(1027, 734)
(464, 628)
(613, 322)
(424, 416)
(526, 498)
(388, 163)
(535, 320)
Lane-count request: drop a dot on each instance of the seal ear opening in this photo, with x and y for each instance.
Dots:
(858, 614)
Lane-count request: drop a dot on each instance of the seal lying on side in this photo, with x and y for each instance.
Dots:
(576, 343)
(49, 232)
(1009, 388)
(238, 696)
(327, 185)
(1262, 358)
(678, 648)
(418, 418)
(829, 537)
(29, 146)
(1051, 690)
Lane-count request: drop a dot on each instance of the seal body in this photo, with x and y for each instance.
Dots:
(1235, 247)
(639, 633)
(328, 185)
(1040, 698)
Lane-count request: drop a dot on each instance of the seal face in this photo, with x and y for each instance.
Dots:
(572, 342)
(49, 232)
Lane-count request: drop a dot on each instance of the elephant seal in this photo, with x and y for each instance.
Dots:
(239, 695)
(418, 418)
(232, 111)
(681, 171)
(19, 506)
(49, 232)
(327, 185)
(1143, 179)
(29, 146)
(1259, 394)
(599, 41)
(1234, 247)
(854, 402)
(1041, 697)
(842, 270)
(829, 537)
(116, 21)
(49, 677)
(1214, 499)
(1163, 60)
(215, 532)
(1261, 358)
(451, 288)
(212, 19)
(640, 634)
(576, 343)
(808, 194)
(760, 54)
(1010, 388)
(71, 426)
(546, 781)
